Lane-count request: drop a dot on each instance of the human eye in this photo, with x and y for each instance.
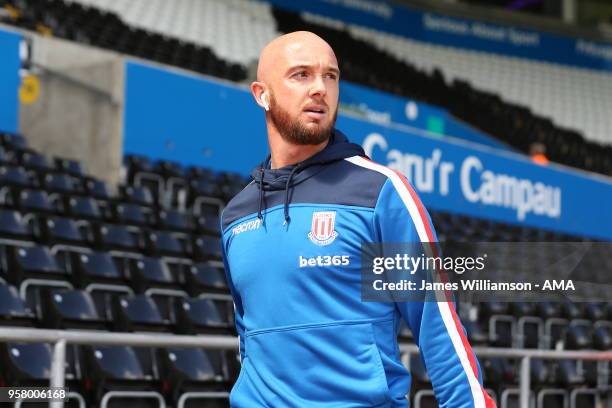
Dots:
(300, 74)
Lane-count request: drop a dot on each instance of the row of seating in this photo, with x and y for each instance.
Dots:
(57, 206)
(55, 230)
(513, 124)
(53, 280)
(83, 267)
(93, 26)
(138, 377)
(100, 308)
(534, 84)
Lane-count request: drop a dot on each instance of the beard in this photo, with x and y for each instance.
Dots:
(293, 131)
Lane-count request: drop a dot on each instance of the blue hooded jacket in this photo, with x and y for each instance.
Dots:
(291, 244)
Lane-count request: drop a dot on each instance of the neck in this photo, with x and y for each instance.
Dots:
(284, 153)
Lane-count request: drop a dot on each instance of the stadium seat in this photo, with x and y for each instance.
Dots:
(204, 277)
(62, 230)
(200, 316)
(132, 214)
(602, 336)
(13, 141)
(111, 236)
(137, 195)
(60, 183)
(63, 308)
(118, 374)
(175, 221)
(13, 310)
(83, 207)
(6, 157)
(33, 160)
(97, 189)
(95, 267)
(28, 200)
(69, 166)
(206, 248)
(578, 335)
(147, 272)
(163, 243)
(168, 169)
(31, 262)
(209, 224)
(137, 313)
(13, 226)
(29, 365)
(15, 176)
(201, 373)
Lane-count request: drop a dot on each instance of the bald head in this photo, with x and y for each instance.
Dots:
(298, 86)
(278, 52)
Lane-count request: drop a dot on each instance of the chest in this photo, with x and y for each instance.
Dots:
(318, 247)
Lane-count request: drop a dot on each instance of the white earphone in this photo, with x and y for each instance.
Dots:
(264, 100)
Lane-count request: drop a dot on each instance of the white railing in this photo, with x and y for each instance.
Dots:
(60, 338)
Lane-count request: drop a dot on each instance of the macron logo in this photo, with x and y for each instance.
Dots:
(246, 226)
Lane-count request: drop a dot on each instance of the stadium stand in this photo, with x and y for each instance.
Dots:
(117, 277)
(514, 124)
(73, 255)
(531, 84)
(404, 67)
(77, 257)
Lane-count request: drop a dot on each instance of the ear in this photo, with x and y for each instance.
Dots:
(260, 93)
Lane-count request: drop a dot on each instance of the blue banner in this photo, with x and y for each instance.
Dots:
(385, 109)
(9, 81)
(194, 121)
(461, 33)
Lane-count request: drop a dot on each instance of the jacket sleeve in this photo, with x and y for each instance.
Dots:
(238, 310)
(400, 217)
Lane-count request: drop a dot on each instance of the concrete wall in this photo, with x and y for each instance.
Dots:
(79, 112)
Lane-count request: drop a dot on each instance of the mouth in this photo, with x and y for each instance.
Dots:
(315, 111)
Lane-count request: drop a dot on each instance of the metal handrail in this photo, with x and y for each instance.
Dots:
(61, 338)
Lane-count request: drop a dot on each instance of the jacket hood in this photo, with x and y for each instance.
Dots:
(287, 177)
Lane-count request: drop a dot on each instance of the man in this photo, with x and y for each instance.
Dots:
(292, 240)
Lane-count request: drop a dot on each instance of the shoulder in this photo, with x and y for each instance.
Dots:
(240, 205)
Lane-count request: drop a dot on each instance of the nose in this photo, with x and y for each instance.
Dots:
(318, 87)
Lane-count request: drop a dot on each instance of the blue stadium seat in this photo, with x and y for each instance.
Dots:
(111, 236)
(137, 195)
(200, 316)
(175, 221)
(96, 189)
(13, 310)
(132, 214)
(209, 224)
(33, 160)
(206, 248)
(63, 308)
(163, 243)
(13, 141)
(62, 230)
(95, 267)
(69, 166)
(149, 273)
(34, 200)
(137, 313)
(13, 226)
(204, 277)
(15, 176)
(112, 369)
(60, 183)
(32, 262)
(204, 372)
(83, 207)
